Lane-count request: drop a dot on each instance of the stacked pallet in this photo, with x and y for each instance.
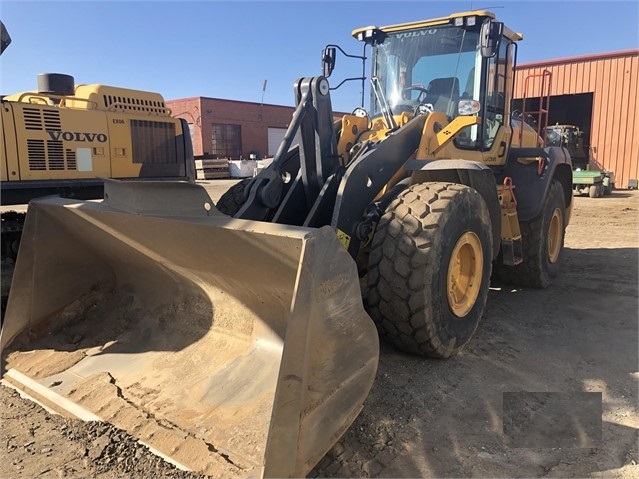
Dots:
(212, 169)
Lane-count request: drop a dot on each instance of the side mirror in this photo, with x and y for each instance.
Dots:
(328, 61)
(490, 37)
(5, 39)
(468, 107)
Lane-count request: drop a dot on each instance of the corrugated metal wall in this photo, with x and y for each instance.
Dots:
(613, 80)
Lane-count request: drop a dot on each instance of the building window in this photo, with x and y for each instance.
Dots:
(226, 140)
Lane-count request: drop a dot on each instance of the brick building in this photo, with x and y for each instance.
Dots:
(232, 129)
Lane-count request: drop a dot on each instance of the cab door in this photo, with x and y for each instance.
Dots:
(496, 130)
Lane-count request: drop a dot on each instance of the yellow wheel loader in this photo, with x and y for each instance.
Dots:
(237, 342)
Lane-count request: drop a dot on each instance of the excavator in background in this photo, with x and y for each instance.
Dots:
(63, 139)
(586, 180)
(236, 340)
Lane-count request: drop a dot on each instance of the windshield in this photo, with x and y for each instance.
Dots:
(561, 136)
(434, 66)
(553, 137)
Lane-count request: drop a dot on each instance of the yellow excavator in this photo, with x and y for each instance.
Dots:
(243, 340)
(63, 138)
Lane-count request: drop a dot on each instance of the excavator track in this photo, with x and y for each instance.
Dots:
(12, 224)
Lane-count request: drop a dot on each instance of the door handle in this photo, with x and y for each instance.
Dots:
(502, 149)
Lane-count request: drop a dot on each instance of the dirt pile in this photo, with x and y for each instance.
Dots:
(39, 444)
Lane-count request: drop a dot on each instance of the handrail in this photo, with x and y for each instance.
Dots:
(544, 105)
(46, 97)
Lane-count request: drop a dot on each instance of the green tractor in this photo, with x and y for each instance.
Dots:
(586, 180)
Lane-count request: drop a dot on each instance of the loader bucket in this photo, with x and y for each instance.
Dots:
(230, 347)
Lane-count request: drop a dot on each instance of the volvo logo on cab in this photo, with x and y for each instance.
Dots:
(77, 136)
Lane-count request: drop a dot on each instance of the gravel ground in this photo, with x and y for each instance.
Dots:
(536, 354)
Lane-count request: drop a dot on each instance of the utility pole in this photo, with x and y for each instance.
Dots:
(262, 104)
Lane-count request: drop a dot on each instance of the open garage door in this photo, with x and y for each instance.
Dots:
(275, 137)
(565, 110)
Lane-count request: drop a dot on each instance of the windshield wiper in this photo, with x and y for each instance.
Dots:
(381, 99)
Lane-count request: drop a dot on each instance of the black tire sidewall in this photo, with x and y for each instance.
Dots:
(432, 217)
(462, 219)
(233, 199)
(554, 200)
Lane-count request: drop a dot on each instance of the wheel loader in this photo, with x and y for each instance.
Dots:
(243, 339)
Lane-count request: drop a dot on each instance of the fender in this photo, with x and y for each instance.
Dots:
(466, 172)
(531, 185)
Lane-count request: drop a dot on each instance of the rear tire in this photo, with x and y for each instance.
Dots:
(608, 189)
(542, 243)
(429, 268)
(233, 199)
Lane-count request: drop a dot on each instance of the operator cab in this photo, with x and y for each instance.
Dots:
(457, 65)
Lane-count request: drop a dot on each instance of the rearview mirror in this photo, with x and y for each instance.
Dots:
(490, 37)
(5, 39)
(328, 61)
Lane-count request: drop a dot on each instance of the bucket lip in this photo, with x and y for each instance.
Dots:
(303, 233)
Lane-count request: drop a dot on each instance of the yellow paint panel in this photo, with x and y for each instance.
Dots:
(9, 169)
(50, 139)
(400, 27)
(343, 238)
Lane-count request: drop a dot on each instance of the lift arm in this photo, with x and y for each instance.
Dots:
(287, 190)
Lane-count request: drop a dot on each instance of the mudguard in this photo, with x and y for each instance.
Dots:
(532, 182)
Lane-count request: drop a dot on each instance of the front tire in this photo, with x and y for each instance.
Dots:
(233, 199)
(429, 268)
(542, 243)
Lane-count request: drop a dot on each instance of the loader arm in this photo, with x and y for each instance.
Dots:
(322, 192)
(365, 178)
(287, 190)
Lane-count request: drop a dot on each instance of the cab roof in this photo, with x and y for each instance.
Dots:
(399, 27)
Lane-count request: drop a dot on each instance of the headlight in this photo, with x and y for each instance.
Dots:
(468, 21)
(468, 107)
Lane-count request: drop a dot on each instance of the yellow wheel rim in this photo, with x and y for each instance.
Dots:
(554, 236)
(465, 271)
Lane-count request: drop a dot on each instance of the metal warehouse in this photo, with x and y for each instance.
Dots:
(597, 93)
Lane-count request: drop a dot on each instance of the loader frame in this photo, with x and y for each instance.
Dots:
(322, 191)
